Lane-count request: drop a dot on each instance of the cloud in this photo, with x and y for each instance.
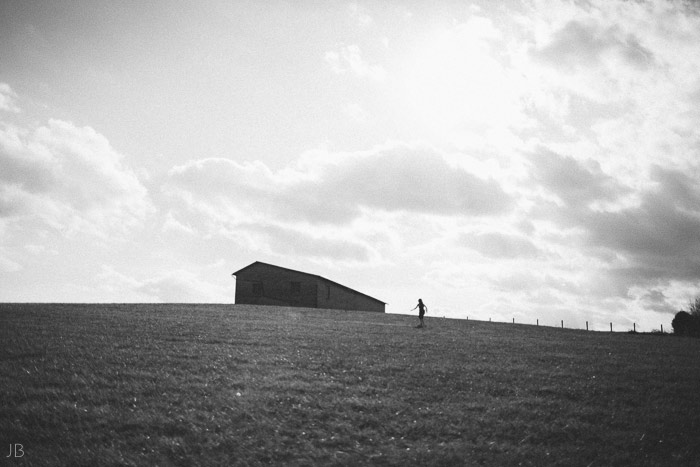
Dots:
(360, 16)
(176, 286)
(500, 245)
(319, 206)
(7, 99)
(180, 286)
(574, 183)
(69, 177)
(355, 112)
(581, 44)
(644, 238)
(349, 59)
(612, 52)
(659, 238)
(656, 300)
(171, 224)
(6, 264)
(300, 243)
(414, 179)
(334, 188)
(538, 283)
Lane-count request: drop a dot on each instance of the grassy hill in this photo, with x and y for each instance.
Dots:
(239, 385)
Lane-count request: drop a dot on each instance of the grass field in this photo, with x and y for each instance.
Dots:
(223, 385)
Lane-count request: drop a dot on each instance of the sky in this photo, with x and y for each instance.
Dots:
(526, 160)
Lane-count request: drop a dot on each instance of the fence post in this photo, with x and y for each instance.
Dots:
(662, 329)
(610, 327)
(634, 327)
(586, 325)
(538, 321)
(562, 324)
(513, 320)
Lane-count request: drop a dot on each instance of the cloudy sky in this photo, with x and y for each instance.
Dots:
(524, 159)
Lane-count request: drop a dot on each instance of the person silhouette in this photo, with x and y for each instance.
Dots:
(422, 308)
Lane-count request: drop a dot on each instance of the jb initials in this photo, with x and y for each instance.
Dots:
(16, 450)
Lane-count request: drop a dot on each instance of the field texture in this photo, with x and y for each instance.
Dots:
(234, 385)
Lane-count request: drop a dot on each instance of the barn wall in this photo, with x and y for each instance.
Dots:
(266, 284)
(345, 299)
(276, 287)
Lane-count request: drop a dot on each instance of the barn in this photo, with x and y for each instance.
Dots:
(266, 284)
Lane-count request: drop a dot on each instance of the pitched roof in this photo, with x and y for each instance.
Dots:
(307, 274)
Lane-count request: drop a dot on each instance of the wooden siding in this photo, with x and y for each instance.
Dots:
(276, 284)
(266, 284)
(343, 298)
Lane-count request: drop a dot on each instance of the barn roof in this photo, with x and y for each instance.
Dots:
(310, 275)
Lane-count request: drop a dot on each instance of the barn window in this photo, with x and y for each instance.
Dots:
(296, 288)
(257, 288)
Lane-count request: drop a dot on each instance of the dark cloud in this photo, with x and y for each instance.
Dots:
(655, 240)
(582, 44)
(417, 180)
(299, 209)
(661, 236)
(650, 239)
(656, 300)
(574, 183)
(334, 190)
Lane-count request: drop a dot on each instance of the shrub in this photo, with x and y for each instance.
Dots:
(686, 324)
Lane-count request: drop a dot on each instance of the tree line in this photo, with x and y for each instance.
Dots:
(687, 323)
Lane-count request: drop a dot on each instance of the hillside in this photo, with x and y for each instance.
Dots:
(239, 385)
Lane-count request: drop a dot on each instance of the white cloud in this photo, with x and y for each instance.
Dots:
(500, 245)
(7, 99)
(182, 286)
(171, 224)
(632, 66)
(298, 242)
(176, 286)
(355, 112)
(320, 206)
(349, 59)
(333, 188)
(70, 178)
(8, 265)
(360, 15)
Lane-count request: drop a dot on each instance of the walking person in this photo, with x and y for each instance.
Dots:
(422, 308)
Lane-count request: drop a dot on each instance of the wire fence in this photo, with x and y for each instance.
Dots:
(634, 329)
